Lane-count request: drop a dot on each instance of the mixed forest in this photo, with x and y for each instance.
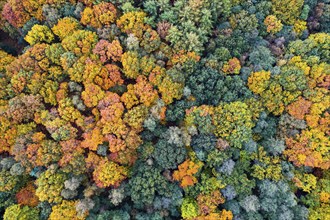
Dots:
(164, 109)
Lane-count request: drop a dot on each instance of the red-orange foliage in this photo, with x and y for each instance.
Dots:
(310, 148)
(299, 108)
(34, 59)
(233, 66)
(42, 151)
(324, 123)
(114, 50)
(15, 14)
(144, 90)
(111, 108)
(141, 92)
(92, 139)
(27, 196)
(108, 51)
(23, 107)
(109, 77)
(326, 82)
(62, 92)
(115, 144)
(185, 173)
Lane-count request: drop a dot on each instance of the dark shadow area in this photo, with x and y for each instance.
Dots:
(9, 44)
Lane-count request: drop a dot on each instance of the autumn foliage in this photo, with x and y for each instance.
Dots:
(197, 110)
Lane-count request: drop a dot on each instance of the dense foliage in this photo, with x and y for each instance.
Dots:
(159, 109)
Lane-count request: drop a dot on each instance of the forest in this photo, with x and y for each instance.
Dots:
(164, 109)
